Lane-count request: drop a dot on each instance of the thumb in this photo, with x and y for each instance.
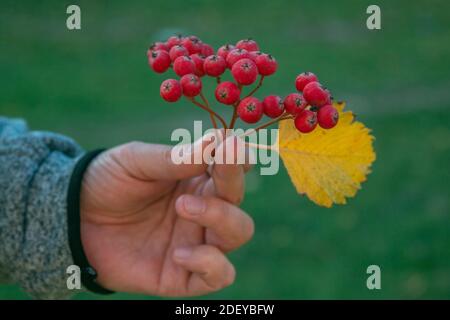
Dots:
(163, 162)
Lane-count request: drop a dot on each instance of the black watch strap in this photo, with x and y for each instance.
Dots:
(88, 274)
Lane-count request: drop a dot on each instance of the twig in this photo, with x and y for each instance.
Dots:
(209, 110)
(205, 101)
(260, 82)
(235, 105)
(284, 116)
(235, 116)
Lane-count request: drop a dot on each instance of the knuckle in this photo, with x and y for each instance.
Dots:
(217, 208)
(236, 198)
(123, 152)
(132, 146)
(211, 262)
(126, 151)
(223, 208)
(239, 199)
(167, 155)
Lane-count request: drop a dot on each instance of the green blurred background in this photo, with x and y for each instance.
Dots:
(95, 86)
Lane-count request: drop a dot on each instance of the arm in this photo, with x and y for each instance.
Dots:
(147, 226)
(35, 169)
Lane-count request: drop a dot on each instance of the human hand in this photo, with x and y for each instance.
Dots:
(151, 226)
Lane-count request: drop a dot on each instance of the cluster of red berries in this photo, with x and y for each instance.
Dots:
(191, 59)
(312, 106)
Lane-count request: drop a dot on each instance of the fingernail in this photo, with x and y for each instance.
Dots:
(194, 205)
(182, 253)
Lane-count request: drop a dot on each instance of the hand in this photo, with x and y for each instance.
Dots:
(151, 226)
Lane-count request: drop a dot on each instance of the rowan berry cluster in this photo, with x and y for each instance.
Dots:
(192, 60)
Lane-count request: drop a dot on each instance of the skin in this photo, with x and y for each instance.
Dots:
(151, 226)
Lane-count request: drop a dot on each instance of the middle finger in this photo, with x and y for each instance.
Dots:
(227, 225)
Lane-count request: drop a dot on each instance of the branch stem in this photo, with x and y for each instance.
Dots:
(205, 101)
(284, 116)
(198, 104)
(260, 82)
(234, 117)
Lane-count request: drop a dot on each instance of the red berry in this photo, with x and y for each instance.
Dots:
(254, 55)
(315, 94)
(235, 55)
(198, 61)
(225, 50)
(214, 65)
(303, 79)
(327, 116)
(173, 41)
(306, 121)
(329, 101)
(294, 103)
(266, 64)
(177, 51)
(247, 44)
(244, 71)
(183, 65)
(273, 106)
(192, 44)
(250, 110)
(159, 61)
(191, 84)
(159, 46)
(207, 50)
(227, 92)
(170, 90)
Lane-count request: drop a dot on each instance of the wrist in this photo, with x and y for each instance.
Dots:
(77, 228)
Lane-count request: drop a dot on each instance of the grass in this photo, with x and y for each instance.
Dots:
(94, 86)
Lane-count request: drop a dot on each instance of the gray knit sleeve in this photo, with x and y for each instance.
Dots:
(35, 169)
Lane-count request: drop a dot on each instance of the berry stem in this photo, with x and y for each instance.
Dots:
(260, 82)
(218, 80)
(234, 117)
(198, 104)
(205, 101)
(284, 116)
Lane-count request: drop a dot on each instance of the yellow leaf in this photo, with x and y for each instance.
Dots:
(327, 165)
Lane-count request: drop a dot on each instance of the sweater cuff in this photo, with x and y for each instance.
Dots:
(44, 254)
